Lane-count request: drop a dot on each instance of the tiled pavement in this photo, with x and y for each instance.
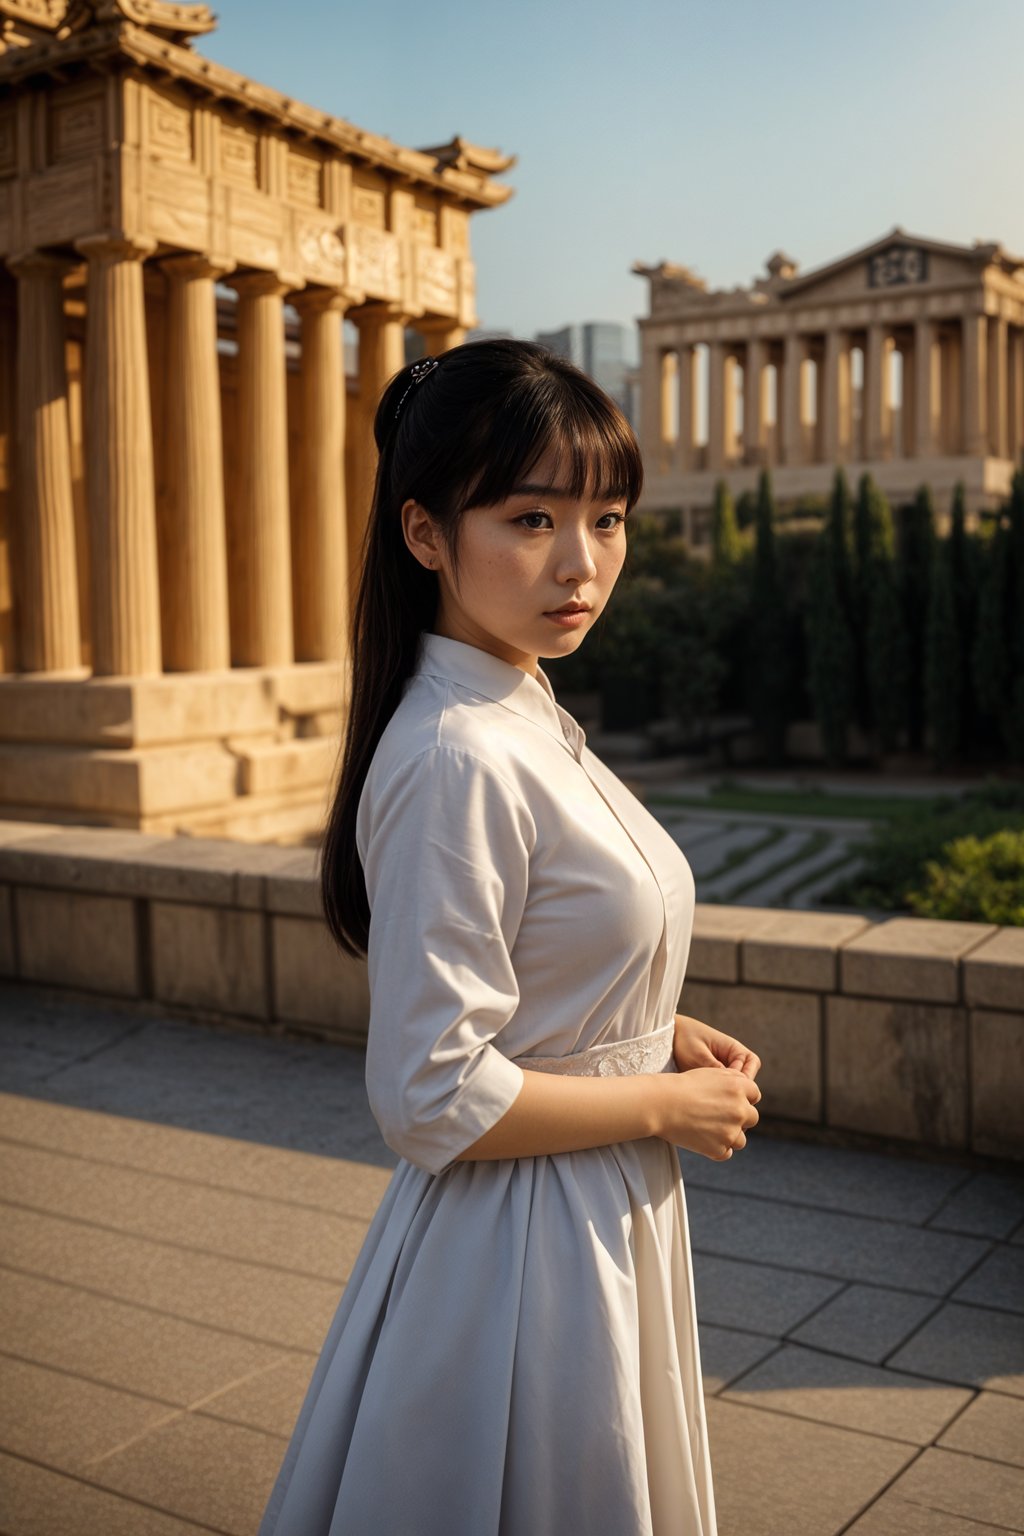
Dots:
(181, 1207)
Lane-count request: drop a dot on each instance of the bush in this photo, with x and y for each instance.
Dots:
(979, 880)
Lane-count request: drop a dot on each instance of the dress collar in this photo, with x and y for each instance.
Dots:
(505, 684)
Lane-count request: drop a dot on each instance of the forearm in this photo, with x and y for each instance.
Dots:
(556, 1113)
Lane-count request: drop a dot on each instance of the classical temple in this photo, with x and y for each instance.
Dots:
(185, 474)
(904, 358)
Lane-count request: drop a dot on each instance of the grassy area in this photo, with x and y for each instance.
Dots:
(726, 796)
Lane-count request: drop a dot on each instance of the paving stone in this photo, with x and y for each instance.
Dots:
(64, 1422)
(334, 1184)
(268, 1305)
(269, 1400)
(231, 1470)
(120, 1345)
(992, 1426)
(757, 1297)
(776, 1475)
(838, 1178)
(726, 1353)
(970, 1345)
(997, 1282)
(189, 1215)
(762, 863)
(848, 1393)
(892, 1515)
(865, 1322)
(830, 1243)
(948, 1484)
(38, 1502)
(988, 1204)
(709, 853)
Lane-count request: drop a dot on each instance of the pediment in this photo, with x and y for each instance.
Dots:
(896, 261)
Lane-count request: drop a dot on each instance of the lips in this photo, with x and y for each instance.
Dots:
(571, 608)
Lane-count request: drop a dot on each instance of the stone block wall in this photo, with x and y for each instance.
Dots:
(905, 1032)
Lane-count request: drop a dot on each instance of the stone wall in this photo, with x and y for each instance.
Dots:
(905, 1033)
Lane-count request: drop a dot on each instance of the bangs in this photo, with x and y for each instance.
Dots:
(593, 445)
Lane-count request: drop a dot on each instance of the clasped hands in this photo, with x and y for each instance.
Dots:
(696, 1044)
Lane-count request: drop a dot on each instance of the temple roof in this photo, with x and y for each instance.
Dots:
(67, 37)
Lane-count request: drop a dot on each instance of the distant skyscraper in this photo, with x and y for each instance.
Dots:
(599, 348)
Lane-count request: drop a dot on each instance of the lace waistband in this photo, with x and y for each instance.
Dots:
(616, 1058)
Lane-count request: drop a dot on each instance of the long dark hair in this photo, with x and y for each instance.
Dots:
(466, 434)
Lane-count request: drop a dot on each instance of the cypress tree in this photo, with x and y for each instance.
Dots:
(917, 538)
(990, 654)
(963, 557)
(886, 661)
(768, 665)
(725, 535)
(831, 651)
(942, 659)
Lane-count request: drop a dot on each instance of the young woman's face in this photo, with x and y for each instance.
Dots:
(521, 560)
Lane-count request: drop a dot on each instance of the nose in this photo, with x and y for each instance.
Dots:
(575, 558)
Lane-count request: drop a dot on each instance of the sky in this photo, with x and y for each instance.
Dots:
(709, 134)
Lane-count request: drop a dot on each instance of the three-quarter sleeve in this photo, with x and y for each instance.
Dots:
(446, 864)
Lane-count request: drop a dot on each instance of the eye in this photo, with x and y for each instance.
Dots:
(620, 517)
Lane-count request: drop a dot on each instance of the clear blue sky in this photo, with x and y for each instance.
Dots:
(709, 134)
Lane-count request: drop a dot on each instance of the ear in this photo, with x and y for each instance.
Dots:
(420, 534)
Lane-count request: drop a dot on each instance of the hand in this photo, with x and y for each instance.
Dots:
(697, 1044)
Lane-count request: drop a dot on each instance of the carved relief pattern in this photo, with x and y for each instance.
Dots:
(322, 254)
(76, 128)
(238, 154)
(169, 127)
(305, 180)
(368, 206)
(436, 282)
(376, 261)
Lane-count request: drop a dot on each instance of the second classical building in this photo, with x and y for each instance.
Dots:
(904, 358)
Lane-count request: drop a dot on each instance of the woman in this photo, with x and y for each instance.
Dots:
(516, 1351)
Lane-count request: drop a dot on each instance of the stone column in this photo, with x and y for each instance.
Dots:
(1015, 394)
(927, 388)
(261, 607)
(120, 492)
(793, 400)
(381, 355)
(716, 405)
(191, 520)
(730, 404)
(837, 425)
(997, 391)
(754, 404)
(46, 589)
(687, 407)
(668, 441)
(440, 335)
(319, 540)
(877, 391)
(974, 351)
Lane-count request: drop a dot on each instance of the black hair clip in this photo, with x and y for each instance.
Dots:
(417, 373)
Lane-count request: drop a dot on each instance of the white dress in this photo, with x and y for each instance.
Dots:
(516, 1351)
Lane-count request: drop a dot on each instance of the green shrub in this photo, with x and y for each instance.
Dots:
(977, 880)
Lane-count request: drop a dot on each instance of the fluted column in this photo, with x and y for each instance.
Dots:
(381, 355)
(837, 425)
(46, 588)
(793, 400)
(730, 404)
(877, 392)
(716, 405)
(687, 407)
(120, 492)
(1015, 394)
(927, 388)
(975, 384)
(191, 520)
(440, 336)
(997, 371)
(261, 608)
(319, 538)
(754, 402)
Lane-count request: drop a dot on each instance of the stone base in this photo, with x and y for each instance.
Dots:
(248, 753)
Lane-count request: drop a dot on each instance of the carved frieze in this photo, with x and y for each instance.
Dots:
(237, 158)
(375, 266)
(75, 124)
(8, 142)
(424, 226)
(437, 289)
(169, 127)
(368, 207)
(304, 179)
(322, 254)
